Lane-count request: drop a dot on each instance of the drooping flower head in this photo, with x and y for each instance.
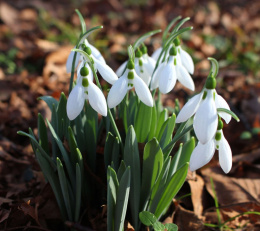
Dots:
(169, 72)
(204, 106)
(203, 153)
(85, 89)
(127, 81)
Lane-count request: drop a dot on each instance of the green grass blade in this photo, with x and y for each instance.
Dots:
(82, 22)
(78, 192)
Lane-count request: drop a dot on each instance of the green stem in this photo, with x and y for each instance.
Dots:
(72, 71)
(176, 138)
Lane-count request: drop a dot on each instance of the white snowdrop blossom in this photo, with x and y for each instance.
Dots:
(169, 72)
(183, 57)
(144, 65)
(85, 89)
(126, 82)
(94, 51)
(203, 153)
(204, 106)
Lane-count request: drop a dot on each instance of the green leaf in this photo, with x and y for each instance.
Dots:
(50, 101)
(179, 25)
(40, 149)
(143, 122)
(64, 188)
(131, 109)
(115, 154)
(171, 190)
(73, 146)
(147, 218)
(162, 118)
(153, 123)
(91, 136)
(42, 134)
(121, 170)
(140, 40)
(175, 161)
(229, 112)
(132, 159)
(171, 227)
(122, 200)
(165, 135)
(152, 166)
(90, 31)
(62, 116)
(54, 122)
(78, 192)
(112, 188)
(82, 21)
(64, 155)
(52, 178)
(166, 31)
(158, 226)
(108, 149)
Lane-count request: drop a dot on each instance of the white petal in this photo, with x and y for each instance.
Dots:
(97, 99)
(189, 108)
(156, 54)
(206, 119)
(187, 61)
(95, 52)
(145, 77)
(70, 60)
(106, 72)
(156, 76)
(149, 65)
(221, 103)
(168, 78)
(225, 155)
(75, 102)
(142, 91)
(121, 69)
(184, 77)
(117, 91)
(201, 155)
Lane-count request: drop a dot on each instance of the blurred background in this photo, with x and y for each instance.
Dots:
(37, 36)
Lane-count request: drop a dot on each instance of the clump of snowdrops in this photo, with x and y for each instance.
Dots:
(94, 159)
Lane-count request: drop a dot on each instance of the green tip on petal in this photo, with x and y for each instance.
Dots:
(173, 51)
(87, 50)
(211, 83)
(84, 71)
(218, 136)
(138, 53)
(85, 82)
(144, 49)
(130, 65)
(130, 75)
(177, 42)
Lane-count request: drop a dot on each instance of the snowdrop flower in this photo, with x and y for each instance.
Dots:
(168, 72)
(203, 153)
(204, 106)
(183, 56)
(126, 82)
(94, 51)
(144, 65)
(85, 89)
(105, 71)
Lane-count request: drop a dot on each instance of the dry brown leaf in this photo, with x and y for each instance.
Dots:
(29, 210)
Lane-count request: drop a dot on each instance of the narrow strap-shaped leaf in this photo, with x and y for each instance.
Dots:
(78, 192)
(82, 22)
(91, 136)
(153, 123)
(64, 188)
(132, 159)
(43, 153)
(50, 101)
(143, 122)
(73, 146)
(175, 161)
(42, 133)
(121, 170)
(54, 122)
(62, 116)
(53, 179)
(112, 188)
(162, 118)
(152, 166)
(122, 200)
(108, 149)
(64, 155)
(140, 40)
(115, 154)
(166, 31)
(171, 190)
